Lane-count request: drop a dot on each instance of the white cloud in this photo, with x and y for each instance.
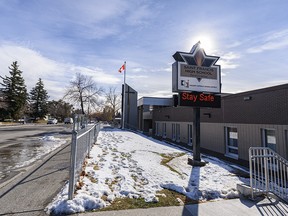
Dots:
(139, 15)
(55, 40)
(270, 41)
(99, 76)
(227, 60)
(55, 75)
(100, 19)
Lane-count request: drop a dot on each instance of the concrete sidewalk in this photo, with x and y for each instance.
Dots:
(233, 207)
(29, 193)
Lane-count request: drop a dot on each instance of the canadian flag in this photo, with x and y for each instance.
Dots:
(122, 68)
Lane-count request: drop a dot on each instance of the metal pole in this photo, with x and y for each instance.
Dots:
(94, 137)
(196, 134)
(72, 165)
(89, 142)
(124, 98)
(78, 122)
(266, 171)
(251, 172)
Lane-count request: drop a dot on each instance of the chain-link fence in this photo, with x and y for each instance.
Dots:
(83, 138)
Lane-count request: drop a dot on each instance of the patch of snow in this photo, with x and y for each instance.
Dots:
(48, 144)
(126, 164)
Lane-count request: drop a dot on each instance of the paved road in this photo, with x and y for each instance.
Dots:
(30, 193)
(11, 134)
(21, 145)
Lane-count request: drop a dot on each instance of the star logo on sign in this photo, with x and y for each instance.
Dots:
(197, 57)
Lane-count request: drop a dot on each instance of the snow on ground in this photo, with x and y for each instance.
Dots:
(24, 155)
(126, 164)
(46, 144)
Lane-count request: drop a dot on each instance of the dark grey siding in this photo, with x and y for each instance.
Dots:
(131, 108)
(264, 106)
(249, 112)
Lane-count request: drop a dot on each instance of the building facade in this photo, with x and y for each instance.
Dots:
(130, 116)
(254, 118)
(146, 105)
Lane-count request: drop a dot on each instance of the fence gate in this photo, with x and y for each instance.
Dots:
(268, 172)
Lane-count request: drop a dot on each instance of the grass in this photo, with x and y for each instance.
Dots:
(125, 155)
(96, 167)
(111, 182)
(114, 150)
(166, 198)
(10, 122)
(168, 157)
(92, 179)
(41, 121)
(134, 177)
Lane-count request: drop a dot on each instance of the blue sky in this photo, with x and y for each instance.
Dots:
(55, 39)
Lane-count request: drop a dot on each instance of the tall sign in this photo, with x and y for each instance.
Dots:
(195, 74)
(196, 71)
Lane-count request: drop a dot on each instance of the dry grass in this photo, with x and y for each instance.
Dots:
(96, 167)
(166, 198)
(168, 157)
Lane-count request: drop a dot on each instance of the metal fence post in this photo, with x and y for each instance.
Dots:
(267, 188)
(251, 172)
(95, 132)
(89, 143)
(72, 165)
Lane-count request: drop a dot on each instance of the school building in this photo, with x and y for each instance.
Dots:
(253, 118)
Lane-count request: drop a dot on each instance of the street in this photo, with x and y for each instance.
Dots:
(22, 145)
(30, 192)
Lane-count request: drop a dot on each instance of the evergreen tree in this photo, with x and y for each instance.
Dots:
(15, 91)
(38, 100)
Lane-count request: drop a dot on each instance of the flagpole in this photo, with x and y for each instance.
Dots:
(124, 97)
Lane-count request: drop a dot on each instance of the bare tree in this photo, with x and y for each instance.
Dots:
(113, 100)
(83, 90)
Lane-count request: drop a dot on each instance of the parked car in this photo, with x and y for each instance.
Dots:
(21, 121)
(68, 121)
(52, 121)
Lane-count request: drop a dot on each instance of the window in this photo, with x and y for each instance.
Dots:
(177, 132)
(190, 132)
(164, 130)
(231, 141)
(286, 142)
(269, 138)
(157, 129)
(173, 131)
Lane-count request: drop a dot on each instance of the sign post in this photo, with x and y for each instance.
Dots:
(197, 79)
(196, 134)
